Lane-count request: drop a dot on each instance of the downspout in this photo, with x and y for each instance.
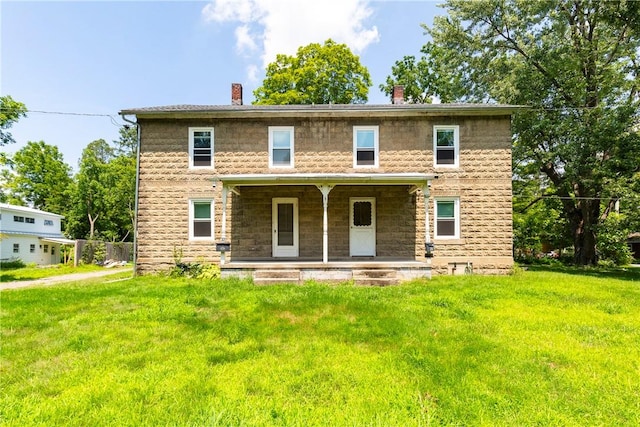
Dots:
(135, 212)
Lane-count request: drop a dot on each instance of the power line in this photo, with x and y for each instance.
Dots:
(68, 113)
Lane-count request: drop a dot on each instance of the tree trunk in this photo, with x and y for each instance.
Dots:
(92, 223)
(584, 220)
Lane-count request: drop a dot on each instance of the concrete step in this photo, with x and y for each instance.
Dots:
(272, 276)
(371, 273)
(271, 273)
(375, 277)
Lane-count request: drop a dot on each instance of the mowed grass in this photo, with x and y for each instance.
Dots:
(535, 348)
(32, 273)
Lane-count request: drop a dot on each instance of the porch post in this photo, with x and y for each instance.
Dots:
(325, 189)
(427, 231)
(223, 233)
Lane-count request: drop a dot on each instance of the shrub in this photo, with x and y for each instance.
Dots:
(12, 264)
(612, 242)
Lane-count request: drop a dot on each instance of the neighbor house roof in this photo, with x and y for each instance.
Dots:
(24, 209)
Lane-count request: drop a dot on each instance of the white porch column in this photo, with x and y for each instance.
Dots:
(223, 233)
(427, 232)
(325, 189)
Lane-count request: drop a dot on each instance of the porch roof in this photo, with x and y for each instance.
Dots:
(418, 179)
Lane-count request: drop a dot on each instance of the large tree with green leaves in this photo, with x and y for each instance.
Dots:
(104, 197)
(317, 74)
(576, 64)
(38, 176)
(10, 112)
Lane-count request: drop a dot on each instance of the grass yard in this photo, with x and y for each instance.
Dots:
(32, 273)
(536, 348)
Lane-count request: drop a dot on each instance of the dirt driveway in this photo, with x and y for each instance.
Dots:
(65, 278)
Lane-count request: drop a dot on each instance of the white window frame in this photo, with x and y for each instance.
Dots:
(192, 219)
(16, 248)
(376, 144)
(192, 131)
(291, 131)
(456, 217)
(456, 146)
(48, 222)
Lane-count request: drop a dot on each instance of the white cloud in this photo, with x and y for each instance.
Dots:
(272, 27)
(244, 40)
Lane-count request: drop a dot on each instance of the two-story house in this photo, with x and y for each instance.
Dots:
(339, 192)
(31, 235)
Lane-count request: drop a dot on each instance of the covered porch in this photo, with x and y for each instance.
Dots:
(325, 226)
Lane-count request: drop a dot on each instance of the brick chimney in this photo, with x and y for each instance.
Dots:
(236, 94)
(398, 94)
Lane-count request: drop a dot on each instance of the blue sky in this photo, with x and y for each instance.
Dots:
(95, 58)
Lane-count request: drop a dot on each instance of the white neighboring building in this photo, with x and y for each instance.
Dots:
(31, 235)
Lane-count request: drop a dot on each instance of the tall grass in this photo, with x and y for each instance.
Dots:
(536, 348)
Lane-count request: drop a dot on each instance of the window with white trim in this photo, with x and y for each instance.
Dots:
(32, 248)
(446, 146)
(365, 146)
(48, 222)
(447, 218)
(16, 248)
(281, 144)
(200, 148)
(17, 218)
(46, 249)
(29, 220)
(201, 219)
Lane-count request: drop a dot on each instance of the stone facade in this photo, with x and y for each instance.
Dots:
(323, 143)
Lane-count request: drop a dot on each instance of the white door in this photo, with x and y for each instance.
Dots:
(362, 226)
(285, 227)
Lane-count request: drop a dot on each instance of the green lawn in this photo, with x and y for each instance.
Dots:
(536, 348)
(32, 273)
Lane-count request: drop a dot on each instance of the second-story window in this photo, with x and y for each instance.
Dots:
(446, 146)
(365, 146)
(200, 147)
(281, 146)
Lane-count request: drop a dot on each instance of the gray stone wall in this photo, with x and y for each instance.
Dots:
(325, 145)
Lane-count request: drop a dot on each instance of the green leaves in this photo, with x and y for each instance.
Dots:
(318, 74)
(574, 62)
(10, 112)
(39, 177)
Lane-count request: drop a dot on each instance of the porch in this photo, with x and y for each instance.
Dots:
(380, 272)
(369, 228)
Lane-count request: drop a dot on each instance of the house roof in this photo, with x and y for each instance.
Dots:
(324, 110)
(418, 179)
(24, 209)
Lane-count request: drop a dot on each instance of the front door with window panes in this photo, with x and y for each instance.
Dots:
(285, 227)
(362, 229)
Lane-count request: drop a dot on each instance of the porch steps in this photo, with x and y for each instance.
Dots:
(273, 277)
(375, 277)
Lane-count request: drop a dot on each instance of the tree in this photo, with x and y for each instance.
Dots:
(104, 197)
(39, 177)
(318, 74)
(575, 64)
(91, 199)
(10, 112)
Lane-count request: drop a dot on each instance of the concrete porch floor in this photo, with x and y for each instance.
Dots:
(362, 272)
